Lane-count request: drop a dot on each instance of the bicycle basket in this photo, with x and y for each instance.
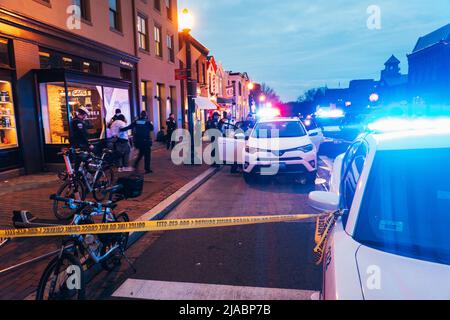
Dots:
(133, 186)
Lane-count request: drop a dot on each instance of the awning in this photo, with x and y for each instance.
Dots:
(205, 104)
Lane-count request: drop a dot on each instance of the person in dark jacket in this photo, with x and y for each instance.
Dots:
(80, 127)
(142, 128)
(171, 127)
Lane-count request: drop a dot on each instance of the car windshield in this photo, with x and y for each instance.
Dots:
(406, 205)
(280, 129)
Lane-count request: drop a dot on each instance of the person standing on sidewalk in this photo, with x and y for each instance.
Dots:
(171, 127)
(80, 127)
(121, 144)
(142, 140)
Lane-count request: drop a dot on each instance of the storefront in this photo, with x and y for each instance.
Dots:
(62, 92)
(10, 154)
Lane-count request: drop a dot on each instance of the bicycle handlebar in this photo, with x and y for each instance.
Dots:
(83, 203)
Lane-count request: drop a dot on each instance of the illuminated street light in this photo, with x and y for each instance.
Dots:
(251, 86)
(262, 98)
(186, 21)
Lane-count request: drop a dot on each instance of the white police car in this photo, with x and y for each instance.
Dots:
(280, 146)
(393, 240)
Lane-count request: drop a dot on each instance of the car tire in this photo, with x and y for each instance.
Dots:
(249, 178)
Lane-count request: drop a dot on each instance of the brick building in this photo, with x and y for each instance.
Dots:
(58, 55)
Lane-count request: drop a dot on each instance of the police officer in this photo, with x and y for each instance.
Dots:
(80, 127)
(142, 140)
(171, 127)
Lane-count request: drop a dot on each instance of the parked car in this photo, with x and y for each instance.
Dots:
(280, 146)
(391, 240)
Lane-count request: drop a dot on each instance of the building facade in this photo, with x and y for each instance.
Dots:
(57, 56)
(429, 67)
(238, 82)
(157, 48)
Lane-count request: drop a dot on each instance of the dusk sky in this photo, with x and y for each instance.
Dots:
(294, 45)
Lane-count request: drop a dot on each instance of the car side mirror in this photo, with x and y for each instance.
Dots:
(313, 134)
(239, 136)
(324, 201)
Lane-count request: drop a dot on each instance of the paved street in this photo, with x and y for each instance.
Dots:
(249, 258)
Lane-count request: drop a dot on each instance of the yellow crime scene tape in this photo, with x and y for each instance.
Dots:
(147, 226)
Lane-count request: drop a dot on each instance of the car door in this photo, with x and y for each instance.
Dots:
(352, 169)
(232, 146)
(315, 132)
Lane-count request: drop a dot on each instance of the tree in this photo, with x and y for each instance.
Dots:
(312, 95)
(270, 93)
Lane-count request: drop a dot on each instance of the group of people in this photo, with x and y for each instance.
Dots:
(227, 123)
(118, 138)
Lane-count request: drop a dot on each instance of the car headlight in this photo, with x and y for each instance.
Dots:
(306, 149)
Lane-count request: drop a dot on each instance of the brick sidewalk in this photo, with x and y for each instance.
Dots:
(166, 180)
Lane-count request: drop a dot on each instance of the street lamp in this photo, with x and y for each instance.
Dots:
(186, 22)
(262, 98)
(251, 86)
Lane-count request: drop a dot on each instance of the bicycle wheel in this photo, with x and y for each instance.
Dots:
(72, 190)
(104, 181)
(63, 279)
(112, 240)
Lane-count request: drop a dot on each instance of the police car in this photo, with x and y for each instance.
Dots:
(392, 240)
(280, 145)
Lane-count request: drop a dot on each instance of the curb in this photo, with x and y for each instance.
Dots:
(165, 207)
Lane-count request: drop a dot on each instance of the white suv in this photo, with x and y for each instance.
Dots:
(278, 146)
(393, 240)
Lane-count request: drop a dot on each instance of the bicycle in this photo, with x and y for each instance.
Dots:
(80, 252)
(92, 174)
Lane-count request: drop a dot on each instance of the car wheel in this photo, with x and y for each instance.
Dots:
(249, 178)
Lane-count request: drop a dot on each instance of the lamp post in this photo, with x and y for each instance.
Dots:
(251, 98)
(186, 23)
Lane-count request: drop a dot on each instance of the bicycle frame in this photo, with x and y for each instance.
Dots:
(79, 217)
(89, 184)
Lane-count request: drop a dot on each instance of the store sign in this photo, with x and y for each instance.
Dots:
(76, 93)
(127, 64)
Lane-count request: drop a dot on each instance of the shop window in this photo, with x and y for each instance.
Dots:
(8, 130)
(55, 60)
(100, 101)
(4, 52)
